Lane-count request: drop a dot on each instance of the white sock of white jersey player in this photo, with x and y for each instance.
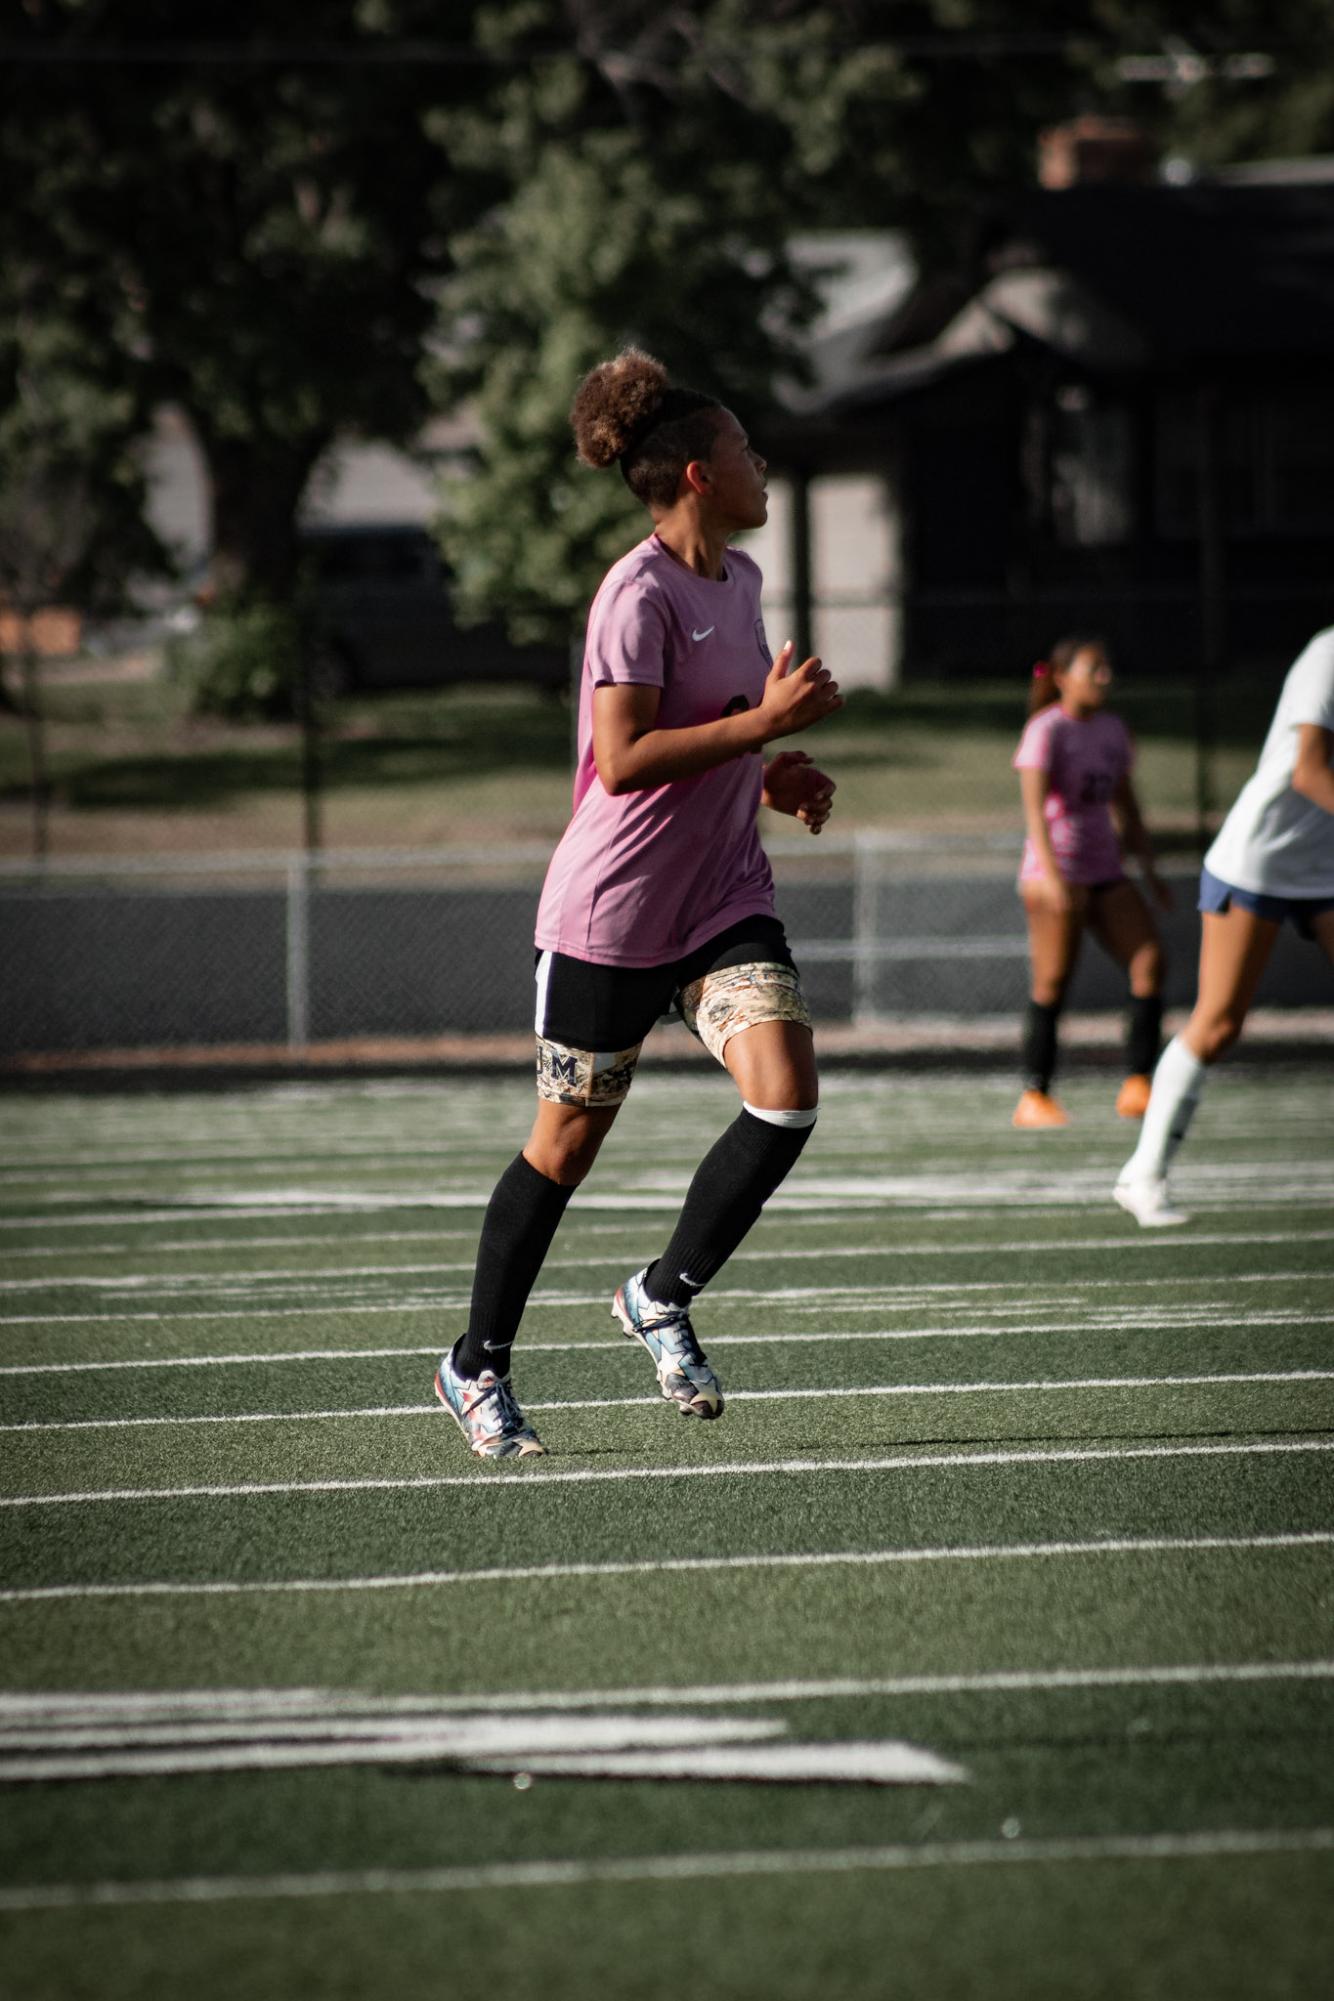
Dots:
(1178, 1080)
(1142, 1185)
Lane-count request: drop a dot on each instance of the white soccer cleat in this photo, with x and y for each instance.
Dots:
(684, 1375)
(1145, 1197)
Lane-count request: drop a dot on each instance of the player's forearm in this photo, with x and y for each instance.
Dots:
(1316, 783)
(1130, 825)
(1038, 834)
(637, 763)
(1033, 790)
(1135, 839)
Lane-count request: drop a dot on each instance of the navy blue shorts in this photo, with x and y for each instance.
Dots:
(1218, 896)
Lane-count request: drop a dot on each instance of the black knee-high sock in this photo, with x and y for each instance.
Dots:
(1039, 1049)
(521, 1219)
(1144, 1034)
(731, 1185)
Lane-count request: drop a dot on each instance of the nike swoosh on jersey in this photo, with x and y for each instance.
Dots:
(702, 635)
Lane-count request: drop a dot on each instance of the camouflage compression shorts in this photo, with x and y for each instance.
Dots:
(715, 1005)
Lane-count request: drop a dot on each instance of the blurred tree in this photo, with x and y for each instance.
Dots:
(265, 215)
(72, 528)
(1218, 81)
(976, 81)
(655, 162)
(260, 207)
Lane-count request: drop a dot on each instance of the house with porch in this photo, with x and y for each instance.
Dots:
(1119, 417)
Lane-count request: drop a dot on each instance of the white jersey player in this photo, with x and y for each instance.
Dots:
(1273, 862)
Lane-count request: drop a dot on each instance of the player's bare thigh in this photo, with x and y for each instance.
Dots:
(1235, 946)
(773, 1066)
(753, 1019)
(1053, 940)
(566, 1139)
(1322, 930)
(1123, 924)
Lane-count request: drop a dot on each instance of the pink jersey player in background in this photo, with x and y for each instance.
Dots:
(1074, 762)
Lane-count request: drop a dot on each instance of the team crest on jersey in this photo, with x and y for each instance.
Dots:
(763, 644)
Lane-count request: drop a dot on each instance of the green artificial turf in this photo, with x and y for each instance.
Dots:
(1000, 1476)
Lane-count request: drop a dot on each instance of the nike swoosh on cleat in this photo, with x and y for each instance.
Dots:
(702, 635)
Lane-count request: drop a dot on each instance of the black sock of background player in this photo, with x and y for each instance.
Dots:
(1144, 1034)
(521, 1219)
(1039, 1052)
(731, 1185)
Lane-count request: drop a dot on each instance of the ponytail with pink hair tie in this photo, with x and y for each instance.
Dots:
(1041, 670)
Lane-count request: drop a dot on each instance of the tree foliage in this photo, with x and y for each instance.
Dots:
(265, 217)
(71, 498)
(1215, 104)
(270, 216)
(655, 162)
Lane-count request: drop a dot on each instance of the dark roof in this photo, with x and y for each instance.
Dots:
(1206, 270)
(1119, 278)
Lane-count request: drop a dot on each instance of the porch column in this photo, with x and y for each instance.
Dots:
(799, 563)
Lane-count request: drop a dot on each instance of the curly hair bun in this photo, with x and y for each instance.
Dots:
(615, 403)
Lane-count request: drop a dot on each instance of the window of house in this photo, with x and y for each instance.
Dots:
(1277, 465)
(1090, 470)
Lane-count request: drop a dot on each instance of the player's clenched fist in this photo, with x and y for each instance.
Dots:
(797, 697)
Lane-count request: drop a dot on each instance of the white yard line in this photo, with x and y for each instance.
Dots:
(539, 1573)
(279, 1706)
(589, 1744)
(841, 1298)
(532, 1476)
(1000, 1193)
(986, 1388)
(219, 1208)
(838, 1763)
(222, 1209)
(1195, 1319)
(164, 1282)
(1231, 1843)
(254, 1359)
(1071, 1288)
(1019, 1681)
(325, 1240)
(257, 1311)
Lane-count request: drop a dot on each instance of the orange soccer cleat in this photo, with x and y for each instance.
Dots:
(1035, 1110)
(1132, 1100)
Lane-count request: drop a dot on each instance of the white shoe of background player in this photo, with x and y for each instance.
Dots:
(1145, 1197)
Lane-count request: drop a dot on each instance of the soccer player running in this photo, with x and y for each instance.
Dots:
(1273, 860)
(659, 893)
(1074, 762)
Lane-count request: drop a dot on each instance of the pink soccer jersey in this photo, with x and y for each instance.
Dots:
(644, 878)
(1085, 759)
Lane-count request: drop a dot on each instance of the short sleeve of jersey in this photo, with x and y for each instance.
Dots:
(627, 638)
(1034, 752)
(1314, 695)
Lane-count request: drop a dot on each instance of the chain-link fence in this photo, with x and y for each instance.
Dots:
(287, 951)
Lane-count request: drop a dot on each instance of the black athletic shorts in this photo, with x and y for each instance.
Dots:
(610, 1007)
(592, 1020)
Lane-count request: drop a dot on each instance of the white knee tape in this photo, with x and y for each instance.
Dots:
(796, 1119)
